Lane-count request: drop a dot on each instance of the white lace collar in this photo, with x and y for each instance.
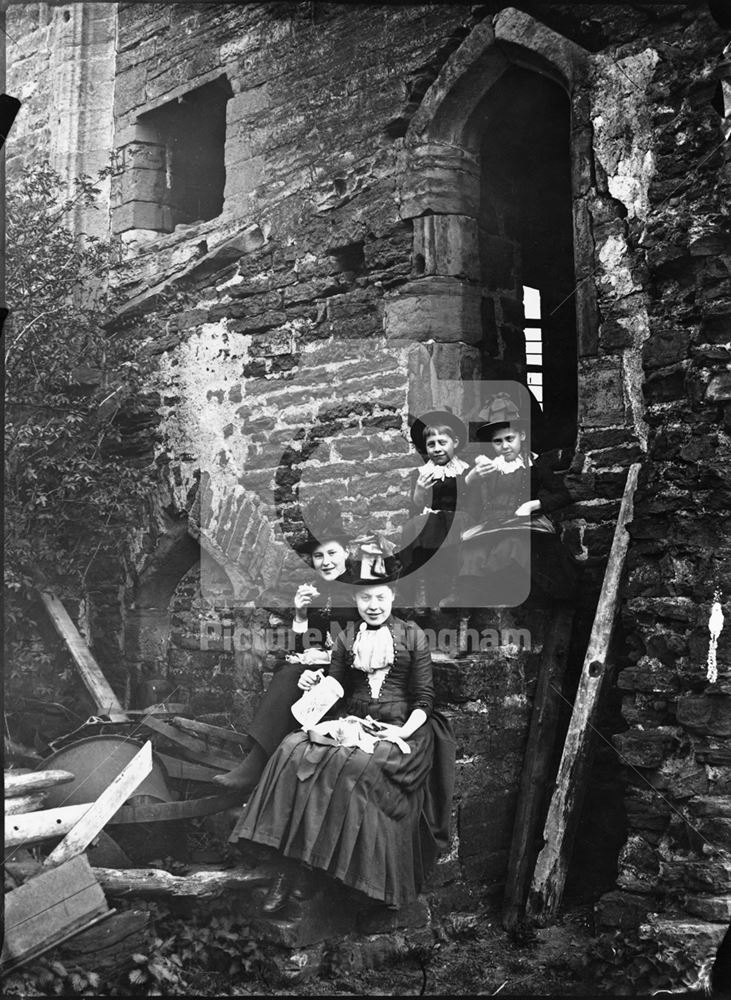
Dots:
(504, 467)
(454, 467)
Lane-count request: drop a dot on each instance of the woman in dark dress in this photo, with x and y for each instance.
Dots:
(322, 609)
(372, 814)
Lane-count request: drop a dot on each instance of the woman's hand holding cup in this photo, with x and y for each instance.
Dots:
(308, 679)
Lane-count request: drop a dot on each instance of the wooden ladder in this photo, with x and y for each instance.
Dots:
(540, 903)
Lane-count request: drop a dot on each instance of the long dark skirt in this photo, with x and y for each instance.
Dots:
(359, 817)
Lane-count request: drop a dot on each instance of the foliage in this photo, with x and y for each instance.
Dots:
(66, 484)
(182, 955)
(624, 964)
(68, 488)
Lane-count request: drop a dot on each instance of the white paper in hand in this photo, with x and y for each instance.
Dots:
(316, 701)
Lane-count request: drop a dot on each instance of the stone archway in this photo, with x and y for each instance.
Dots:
(453, 286)
(192, 627)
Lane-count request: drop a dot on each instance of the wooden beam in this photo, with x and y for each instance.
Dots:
(186, 770)
(101, 811)
(33, 781)
(165, 812)
(551, 868)
(25, 803)
(211, 732)
(537, 764)
(154, 882)
(34, 827)
(104, 698)
(193, 747)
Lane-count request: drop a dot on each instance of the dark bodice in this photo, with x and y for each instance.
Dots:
(408, 685)
(446, 494)
(496, 497)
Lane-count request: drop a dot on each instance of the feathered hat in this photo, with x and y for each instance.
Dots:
(501, 410)
(375, 562)
(323, 523)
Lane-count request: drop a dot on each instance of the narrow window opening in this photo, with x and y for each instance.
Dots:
(190, 136)
(525, 231)
(533, 333)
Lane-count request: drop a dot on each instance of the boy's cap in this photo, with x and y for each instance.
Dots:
(436, 418)
(499, 411)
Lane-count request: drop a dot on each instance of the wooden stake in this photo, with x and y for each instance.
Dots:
(563, 812)
(101, 811)
(536, 774)
(96, 684)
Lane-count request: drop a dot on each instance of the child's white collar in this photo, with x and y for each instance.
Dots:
(505, 467)
(454, 467)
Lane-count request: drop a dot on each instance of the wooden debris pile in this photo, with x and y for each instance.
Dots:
(109, 795)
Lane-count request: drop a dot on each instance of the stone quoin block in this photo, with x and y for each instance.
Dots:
(434, 308)
(446, 245)
(441, 179)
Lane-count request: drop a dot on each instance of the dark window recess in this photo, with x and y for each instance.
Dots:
(192, 132)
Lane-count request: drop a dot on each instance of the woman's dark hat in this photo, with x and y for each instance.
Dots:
(323, 523)
(375, 562)
(436, 418)
(501, 410)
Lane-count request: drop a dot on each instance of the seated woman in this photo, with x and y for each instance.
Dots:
(320, 608)
(369, 814)
(513, 550)
(430, 538)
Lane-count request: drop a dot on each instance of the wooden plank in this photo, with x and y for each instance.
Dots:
(190, 745)
(549, 876)
(212, 732)
(103, 696)
(35, 827)
(107, 948)
(34, 781)
(160, 812)
(25, 803)
(101, 811)
(537, 764)
(49, 907)
(154, 882)
(186, 770)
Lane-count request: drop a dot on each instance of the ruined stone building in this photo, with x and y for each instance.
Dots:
(330, 214)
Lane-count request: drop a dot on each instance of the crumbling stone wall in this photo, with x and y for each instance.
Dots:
(677, 708)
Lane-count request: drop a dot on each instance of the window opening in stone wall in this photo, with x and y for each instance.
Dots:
(186, 140)
(533, 341)
(526, 241)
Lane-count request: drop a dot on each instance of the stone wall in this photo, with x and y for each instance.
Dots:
(61, 68)
(352, 277)
(676, 705)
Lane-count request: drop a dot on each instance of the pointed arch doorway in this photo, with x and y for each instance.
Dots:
(493, 181)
